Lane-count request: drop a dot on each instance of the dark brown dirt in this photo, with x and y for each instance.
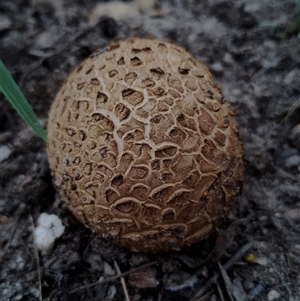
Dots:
(253, 50)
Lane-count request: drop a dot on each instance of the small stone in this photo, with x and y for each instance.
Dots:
(228, 58)
(143, 278)
(297, 247)
(4, 220)
(217, 67)
(263, 218)
(255, 291)
(5, 151)
(263, 261)
(108, 270)
(95, 262)
(293, 161)
(111, 293)
(114, 9)
(5, 136)
(5, 22)
(293, 214)
(289, 77)
(137, 297)
(273, 295)
(238, 290)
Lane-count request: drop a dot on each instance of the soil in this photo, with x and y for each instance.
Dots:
(253, 50)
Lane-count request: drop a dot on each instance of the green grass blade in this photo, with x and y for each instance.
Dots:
(298, 5)
(15, 96)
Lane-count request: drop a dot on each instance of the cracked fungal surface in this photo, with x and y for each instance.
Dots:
(143, 147)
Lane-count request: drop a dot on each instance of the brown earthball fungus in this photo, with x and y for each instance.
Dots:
(143, 147)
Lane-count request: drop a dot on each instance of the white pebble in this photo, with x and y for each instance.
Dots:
(292, 161)
(273, 295)
(49, 228)
(263, 261)
(114, 9)
(108, 270)
(111, 293)
(20, 262)
(4, 152)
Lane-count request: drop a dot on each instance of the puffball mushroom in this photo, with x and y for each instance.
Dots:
(143, 147)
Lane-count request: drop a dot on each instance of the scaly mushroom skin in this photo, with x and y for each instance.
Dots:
(143, 147)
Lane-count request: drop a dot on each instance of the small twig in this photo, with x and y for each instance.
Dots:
(291, 110)
(241, 252)
(287, 174)
(26, 248)
(16, 225)
(268, 66)
(10, 239)
(113, 278)
(122, 281)
(161, 294)
(52, 294)
(26, 181)
(36, 253)
(220, 291)
(227, 281)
